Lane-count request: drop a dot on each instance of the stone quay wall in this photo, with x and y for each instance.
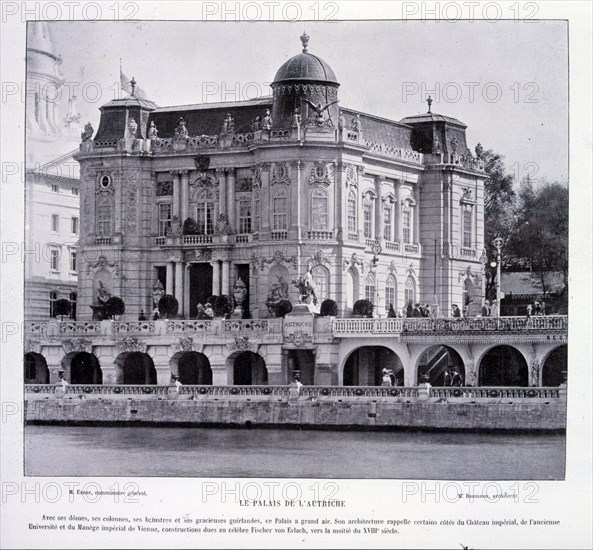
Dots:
(288, 407)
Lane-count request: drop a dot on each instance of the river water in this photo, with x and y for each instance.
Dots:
(214, 452)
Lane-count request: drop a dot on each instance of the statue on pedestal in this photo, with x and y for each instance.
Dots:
(181, 131)
(267, 121)
(306, 287)
(239, 295)
(132, 128)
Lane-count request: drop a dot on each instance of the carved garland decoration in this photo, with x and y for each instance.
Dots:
(130, 344)
(259, 262)
(77, 344)
(103, 262)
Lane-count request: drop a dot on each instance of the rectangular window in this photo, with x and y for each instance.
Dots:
(73, 298)
(319, 211)
(387, 222)
(352, 213)
(406, 229)
(104, 220)
(53, 298)
(205, 218)
(245, 216)
(73, 260)
(54, 260)
(368, 219)
(74, 191)
(369, 292)
(164, 219)
(55, 188)
(280, 221)
(467, 227)
(74, 226)
(55, 222)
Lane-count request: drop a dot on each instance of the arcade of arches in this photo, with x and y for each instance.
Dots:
(501, 365)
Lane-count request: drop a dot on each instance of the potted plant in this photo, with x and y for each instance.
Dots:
(329, 308)
(62, 307)
(114, 306)
(168, 306)
(363, 308)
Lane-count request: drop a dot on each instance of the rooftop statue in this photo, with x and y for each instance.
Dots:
(267, 121)
(153, 133)
(87, 133)
(319, 111)
(181, 131)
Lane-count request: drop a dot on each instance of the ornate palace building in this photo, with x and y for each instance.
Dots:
(194, 201)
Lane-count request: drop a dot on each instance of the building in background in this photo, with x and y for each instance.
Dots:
(51, 181)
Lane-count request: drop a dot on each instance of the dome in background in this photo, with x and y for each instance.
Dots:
(305, 67)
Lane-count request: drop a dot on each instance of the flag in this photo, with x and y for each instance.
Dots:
(126, 85)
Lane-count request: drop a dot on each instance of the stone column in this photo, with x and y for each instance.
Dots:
(225, 278)
(169, 282)
(295, 213)
(231, 207)
(265, 201)
(179, 285)
(378, 210)
(215, 278)
(184, 208)
(398, 213)
(222, 198)
(176, 185)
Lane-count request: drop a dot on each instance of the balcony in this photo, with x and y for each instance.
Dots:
(320, 235)
(103, 241)
(279, 235)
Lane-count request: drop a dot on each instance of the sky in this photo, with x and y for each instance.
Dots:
(507, 81)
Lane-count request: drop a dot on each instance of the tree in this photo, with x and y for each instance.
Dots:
(329, 308)
(62, 307)
(114, 306)
(499, 214)
(168, 305)
(540, 238)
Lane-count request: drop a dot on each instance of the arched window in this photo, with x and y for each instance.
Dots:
(280, 210)
(390, 292)
(368, 215)
(319, 210)
(205, 212)
(370, 288)
(104, 217)
(351, 212)
(256, 211)
(410, 291)
(408, 221)
(321, 282)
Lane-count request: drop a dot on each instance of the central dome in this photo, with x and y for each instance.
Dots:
(305, 67)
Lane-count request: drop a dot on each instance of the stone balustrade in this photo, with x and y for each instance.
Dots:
(223, 330)
(423, 392)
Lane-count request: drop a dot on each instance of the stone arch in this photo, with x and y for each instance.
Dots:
(35, 369)
(82, 367)
(192, 368)
(437, 365)
(246, 368)
(503, 365)
(352, 287)
(135, 368)
(555, 366)
(364, 365)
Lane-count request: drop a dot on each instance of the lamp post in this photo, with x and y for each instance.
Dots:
(498, 242)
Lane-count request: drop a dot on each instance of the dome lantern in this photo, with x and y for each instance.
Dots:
(303, 80)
